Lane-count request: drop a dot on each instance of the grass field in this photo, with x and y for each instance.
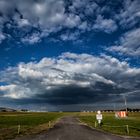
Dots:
(114, 125)
(29, 123)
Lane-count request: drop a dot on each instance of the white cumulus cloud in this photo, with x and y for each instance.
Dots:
(68, 70)
(129, 43)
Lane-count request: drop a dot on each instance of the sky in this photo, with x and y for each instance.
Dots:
(69, 55)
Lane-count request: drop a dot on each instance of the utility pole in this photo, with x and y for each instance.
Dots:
(114, 107)
(125, 102)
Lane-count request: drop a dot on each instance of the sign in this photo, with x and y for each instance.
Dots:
(99, 117)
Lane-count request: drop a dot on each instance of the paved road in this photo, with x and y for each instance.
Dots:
(69, 128)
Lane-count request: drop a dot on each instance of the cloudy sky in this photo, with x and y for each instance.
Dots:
(69, 54)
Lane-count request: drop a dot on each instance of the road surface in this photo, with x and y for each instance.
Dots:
(69, 128)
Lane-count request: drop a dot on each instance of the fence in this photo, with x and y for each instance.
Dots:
(126, 127)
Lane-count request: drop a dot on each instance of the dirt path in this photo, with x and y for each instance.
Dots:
(69, 128)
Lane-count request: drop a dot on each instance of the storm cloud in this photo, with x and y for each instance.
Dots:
(70, 79)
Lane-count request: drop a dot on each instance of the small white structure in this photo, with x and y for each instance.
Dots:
(99, 117)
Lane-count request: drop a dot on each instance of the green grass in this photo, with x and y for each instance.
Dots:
(110, 123)
(27, 119)
(29, 122)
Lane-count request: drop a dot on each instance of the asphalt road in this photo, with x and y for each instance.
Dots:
(69, 128)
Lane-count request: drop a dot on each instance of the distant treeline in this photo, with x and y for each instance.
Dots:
(3, 109)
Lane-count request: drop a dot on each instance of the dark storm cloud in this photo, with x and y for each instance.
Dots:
(70, 79)
(81, 95)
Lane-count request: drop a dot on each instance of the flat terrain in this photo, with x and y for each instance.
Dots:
(69, 128)
(29, 123)
(40, 126)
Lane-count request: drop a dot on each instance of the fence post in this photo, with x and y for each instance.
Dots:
(18, 128)
(95, 124)
(127, 129)
(49, 124)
